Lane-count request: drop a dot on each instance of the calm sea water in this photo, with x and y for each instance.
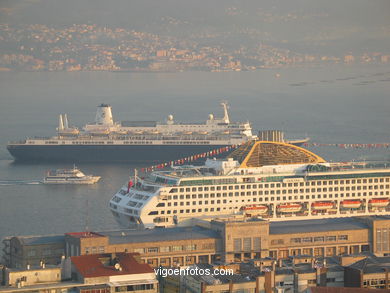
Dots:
(337, 104)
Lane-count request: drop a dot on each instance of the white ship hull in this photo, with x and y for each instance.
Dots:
(91, 180)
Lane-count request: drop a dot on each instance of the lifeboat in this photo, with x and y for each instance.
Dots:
(379, 202)
(351, 204)
(289, 208)
(322, 205)
(255, 209)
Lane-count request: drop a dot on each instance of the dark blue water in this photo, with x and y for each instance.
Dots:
(337, 104)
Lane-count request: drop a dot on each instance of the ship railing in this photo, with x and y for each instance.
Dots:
(359, 165)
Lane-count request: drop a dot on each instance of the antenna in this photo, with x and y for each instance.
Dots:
(87, 217)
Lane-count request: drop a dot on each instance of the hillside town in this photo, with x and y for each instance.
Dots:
(88, 47)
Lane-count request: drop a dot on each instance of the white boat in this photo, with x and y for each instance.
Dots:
(379, 202)
(289, 208)
(351, 204)
(322, 205)
(255, 209)
(69, 176)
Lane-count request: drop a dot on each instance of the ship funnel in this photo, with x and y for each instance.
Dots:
(60, 123)
(66, 125)
(104, 115)
(225, 113)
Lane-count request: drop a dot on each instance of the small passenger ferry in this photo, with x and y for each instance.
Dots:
(69, 176)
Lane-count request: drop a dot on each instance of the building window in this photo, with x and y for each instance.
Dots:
(343, 237)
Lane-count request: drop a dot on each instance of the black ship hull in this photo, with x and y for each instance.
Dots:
(108, 153)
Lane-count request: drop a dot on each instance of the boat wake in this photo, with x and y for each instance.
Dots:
(19, 182)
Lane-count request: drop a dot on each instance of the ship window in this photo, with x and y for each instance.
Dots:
(236, 187)
(230, 187)
(206, 189)
(200, 188)
(212, 188)
(343, 237)
(173, 190)
(181, 196)
(175, 204)
(153, 213)
(188, 196)
(175, 197)
(181, 211)
(200, 196)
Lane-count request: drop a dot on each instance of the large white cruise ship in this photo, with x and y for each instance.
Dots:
(132, 141)
(271, 180)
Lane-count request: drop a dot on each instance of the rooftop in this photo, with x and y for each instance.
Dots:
(40, 240)
(321, 225)
(84, 234)
(263, 153)
(153, 235)
(99, 265)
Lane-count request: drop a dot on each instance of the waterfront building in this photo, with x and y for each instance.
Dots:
(218, 241)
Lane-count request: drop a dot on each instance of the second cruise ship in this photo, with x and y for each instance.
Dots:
(271, 180)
